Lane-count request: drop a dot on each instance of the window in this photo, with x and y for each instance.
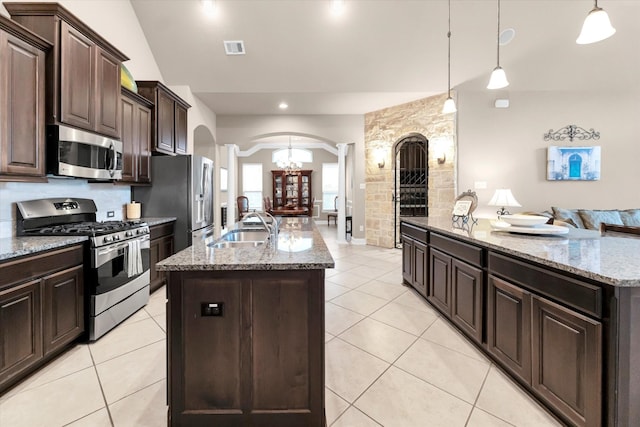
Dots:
(329, 185)
(252, 184)
(223, 179)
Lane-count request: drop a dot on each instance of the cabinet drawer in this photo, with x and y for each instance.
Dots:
(39, 265)
(469, 253)
(419, 234)
(572, 292)
(156, 231)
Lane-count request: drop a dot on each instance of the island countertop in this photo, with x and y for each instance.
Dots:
(613, 260)
(299, 247)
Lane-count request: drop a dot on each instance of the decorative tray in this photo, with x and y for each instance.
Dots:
(541, 229)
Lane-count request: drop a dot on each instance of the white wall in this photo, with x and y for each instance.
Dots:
(505, 147)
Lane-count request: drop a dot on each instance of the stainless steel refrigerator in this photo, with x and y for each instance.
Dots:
(181, 187)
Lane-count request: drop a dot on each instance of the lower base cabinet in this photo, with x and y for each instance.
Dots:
(39, 317)
(160, 247)
(257, 359)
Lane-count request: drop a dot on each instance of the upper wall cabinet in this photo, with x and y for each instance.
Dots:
(136, 138)
(169, 127)
(83, 75)
(22, 77)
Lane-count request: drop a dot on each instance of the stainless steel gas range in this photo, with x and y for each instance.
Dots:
(116, 256)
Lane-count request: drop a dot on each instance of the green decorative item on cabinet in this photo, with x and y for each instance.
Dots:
(126, 79)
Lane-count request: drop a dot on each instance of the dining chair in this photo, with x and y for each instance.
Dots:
(243, 206)
(333, 214)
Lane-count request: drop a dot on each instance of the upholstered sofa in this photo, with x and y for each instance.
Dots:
(592, 218)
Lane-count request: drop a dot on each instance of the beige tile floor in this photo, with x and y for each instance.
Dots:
(391, 360)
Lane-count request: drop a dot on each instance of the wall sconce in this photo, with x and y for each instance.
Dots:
(380, 156)
(442, 157)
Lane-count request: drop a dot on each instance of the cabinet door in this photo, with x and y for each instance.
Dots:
(278, 189)
(181, 129)
(144, 144)
(440, 280)
(509, 326)
(466, 298)
(407, 260)
(165, 126)
(420, 267)
(567, 361)
(76, 79)
(20, 329)
(63, 308)
(156, 278)
(107, 94)
(129, 142)
(21, 108)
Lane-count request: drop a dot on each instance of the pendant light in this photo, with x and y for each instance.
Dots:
(498, 78)
(596, 27)
(449, 105)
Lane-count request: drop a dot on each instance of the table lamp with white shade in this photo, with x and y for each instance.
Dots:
(503, 198)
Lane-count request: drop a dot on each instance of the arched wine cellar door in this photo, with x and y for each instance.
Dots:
(411, 172)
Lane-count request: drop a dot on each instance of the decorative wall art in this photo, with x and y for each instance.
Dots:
(573, 163)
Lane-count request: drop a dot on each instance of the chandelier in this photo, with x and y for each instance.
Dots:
(290, 166)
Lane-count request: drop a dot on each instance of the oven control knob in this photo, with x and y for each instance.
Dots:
(128, 234)
(116, 237)
(108, 239)
(139, 231)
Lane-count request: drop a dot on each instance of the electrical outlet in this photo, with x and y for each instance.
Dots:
(362, 228)
(111, 214)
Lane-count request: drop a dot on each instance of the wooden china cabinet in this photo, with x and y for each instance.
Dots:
(292, 190)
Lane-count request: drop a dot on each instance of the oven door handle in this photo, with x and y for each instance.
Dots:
(103, 255)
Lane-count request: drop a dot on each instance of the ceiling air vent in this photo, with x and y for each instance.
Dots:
(234, 47)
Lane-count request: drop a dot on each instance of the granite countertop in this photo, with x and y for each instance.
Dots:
(300, 247)
(157, 221)
(13, 247)
(613, 260)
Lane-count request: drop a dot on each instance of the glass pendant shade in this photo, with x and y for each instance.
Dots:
(596, 27)
(449, 106)
(498, 79)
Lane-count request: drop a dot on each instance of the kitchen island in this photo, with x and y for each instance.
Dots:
(560, 314)
(245, 331)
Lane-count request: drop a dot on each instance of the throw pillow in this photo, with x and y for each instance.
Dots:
(565, 214)
(630, 217)
(593, 218)
(565, 222)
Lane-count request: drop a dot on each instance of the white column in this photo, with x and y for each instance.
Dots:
(342, 185)
(232, 181)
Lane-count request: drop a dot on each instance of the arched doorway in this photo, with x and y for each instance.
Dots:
(411, 179)
(575, 166)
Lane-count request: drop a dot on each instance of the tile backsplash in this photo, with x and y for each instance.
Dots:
(107, 196)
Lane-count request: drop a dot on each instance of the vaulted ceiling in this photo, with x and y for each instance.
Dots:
(380, 53)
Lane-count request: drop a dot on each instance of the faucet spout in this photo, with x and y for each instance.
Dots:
(271, 229)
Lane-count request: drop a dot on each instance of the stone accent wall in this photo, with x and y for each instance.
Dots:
(383, 129)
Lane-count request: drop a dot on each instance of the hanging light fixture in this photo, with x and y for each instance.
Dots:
(596, 27)
(290, 166)
(498, 78)
(449, 105)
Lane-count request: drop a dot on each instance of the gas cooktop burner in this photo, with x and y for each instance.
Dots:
(90, 228)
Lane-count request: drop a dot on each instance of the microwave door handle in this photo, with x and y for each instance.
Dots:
(114, 157)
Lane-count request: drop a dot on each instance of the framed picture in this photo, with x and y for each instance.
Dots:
(462, 207)
(573, 163)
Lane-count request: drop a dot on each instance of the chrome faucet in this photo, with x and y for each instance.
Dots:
(272, 230)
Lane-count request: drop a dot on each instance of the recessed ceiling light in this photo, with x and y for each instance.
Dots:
(209, 7)
(507, 36)
(234, 47)
(283, 106)
(337, 7)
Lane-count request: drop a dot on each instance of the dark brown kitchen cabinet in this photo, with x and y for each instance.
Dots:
(136, 138)
(63, 292)
(83, 75)
(415, 261)
(567, 361)
(509, 326)
(260, 361)
(41, 310)
(456, 283)
(22, 101)
(161, 247)
(169, 118)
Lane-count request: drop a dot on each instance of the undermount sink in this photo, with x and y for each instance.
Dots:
(235, 244)
(242, 235)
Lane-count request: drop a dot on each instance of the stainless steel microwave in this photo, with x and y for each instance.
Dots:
(77, 153)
